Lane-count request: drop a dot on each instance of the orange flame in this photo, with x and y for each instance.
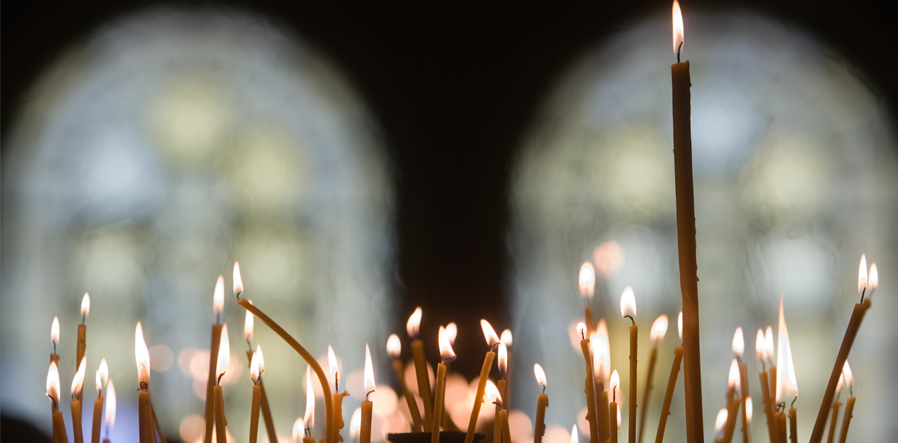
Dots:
(872, 280)
(628, 303)
(309, 417)
(224, 354)
(142, 355)
(862, 275)
(451, 332)
(298, 427)
(748, 409)
(489, 333)
(369, 371)
(85, 305)
(238, 280)
(218, 296)
(503, 360)
(540, 375)
(787, 384)
(507, 338)
(257, 365)
(446, 352)
(248, 324)
(680, 325)
(492, 393)
(587, 280)
(721, 420)
(739, 342)
(54, 331)
(53, 384)
(102, 374)
(659, 328)
(413, 325)
(733, 376)
(394, 346)
(760, 348)
(110, 406)
(677, 26)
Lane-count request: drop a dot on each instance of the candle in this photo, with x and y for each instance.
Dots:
(787, 385)
(590, 386)
(336, 423)
(733, 402)
(542, 402)
(849, 406)
(54, 338)
(221, 368)
(77, 383)
(413, 327)
(866, 287)
(82, 338)
(256, 368)
(59, 435)
(101, 376)
(142, 356)
(492, 394)
(492, 340)
(748, 409)
(836, 405)
(628, 310)
(761, 356)
(507, 339)
(217, 307)
(738, 351)
(502, 363)
(601, 361)
(793, 423)
(720, 422)
(309, 416)
(110, 409)
(587, 284)
(394, 349)
(659, 329)
(612, 408)
(780, 418)
(298, 427)
(671, 383)
(248, 329)
(367, 405)
(157, 426)
(446, 355)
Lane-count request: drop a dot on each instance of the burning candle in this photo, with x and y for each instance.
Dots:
(413, 326)
(82, 338)
(628, 310)
(394, 349)
(732, 402)
(787, 385)
(502, 363)
(217, 308)
(761, 356)
(502, 432)
(671, 383)
(587, 284)
(720, 422)
(110, 409)
(248, 329)
(54, 338)
(298, 427)
(601, 362)
(613, 412)
(659, 329)
(355, 424)
(77, 384)
(144, 411)
(59, 435)
(492, 341)
(738, 351)
(309, 416)
(221, 368)
(446, 355)
(337, 422)
(256, 368)
(101, 377)
(542, 402)
(836, 405)
(590, 386)
(849, 406)
(507, 339)
(367, 405)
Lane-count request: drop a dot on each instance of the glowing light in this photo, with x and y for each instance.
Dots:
(54, 331)
(739, 342)
(507, 338)
(102, 374)
(760, 348)
(721, 420)
(614, 384)
(309, 416)
(503, 360)
(142, 355)
(85, 305)
(451, 332)
(862, 275)
(369, 371)
(238, 279)
(298, 427)
(489, 333)
(355, 424)
(394, 346)
(332, 364)
(601, 348)
(256, 365)
(680, 325)
(768, 343)
(587, 280)
(248, 325)
(492, 393)
(53, 384)
(846, 374)
(733, 376)
(608, 258)
(581, 329)
(540, 375)
(628, 303)
(413, 325)
(224, 354)
(446, 352)
(659, 328)
(872, 280)
(678, 37)
(748, 409)
(218, 296)
(575, 435)
(110, 406)
(787, 385)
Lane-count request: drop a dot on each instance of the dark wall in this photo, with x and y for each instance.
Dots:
(454, 88)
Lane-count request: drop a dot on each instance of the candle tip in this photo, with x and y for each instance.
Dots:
(587, 280)
(413, 325)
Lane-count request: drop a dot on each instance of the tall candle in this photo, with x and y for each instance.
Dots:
(587, 284)
(787, 385)
(836, 406)
(221, 368)
(733, 402)
(394, 349)
(77, 384)
(589, 386)
(507, 339)
(54, 338)
(780, 419)
(793, 423)
(866, 287)
(542, 402)
(59, 435)
(145, 416)
(849, 405)
(502, 363)
(101, 377)
(761, 356)
(110, 409)
(671, 384)
(612, 408)
(368, 405)
(601, 361)
(336, 423)
(492, 340)
(256, 368)
(628, 310)
(82, 338)
(738, 351)
(413, 327)
(248, 329)
(659, 329)
(217, 307)
(446, 355)
(309, 416)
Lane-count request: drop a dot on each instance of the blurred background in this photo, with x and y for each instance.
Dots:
(360, 162)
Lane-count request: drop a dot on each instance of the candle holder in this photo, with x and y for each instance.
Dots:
(425, 437)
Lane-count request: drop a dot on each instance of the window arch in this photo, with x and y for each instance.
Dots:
(795, 173)
(152, 155)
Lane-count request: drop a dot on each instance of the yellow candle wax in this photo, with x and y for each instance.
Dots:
(846, 420)
(368, 405)
(668, 394)
(542, 402)
(492, 340)
(217, 308)
(589, 389)
(832, 421)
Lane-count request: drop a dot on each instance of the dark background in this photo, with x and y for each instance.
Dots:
(454, 88)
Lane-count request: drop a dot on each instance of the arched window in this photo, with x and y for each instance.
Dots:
(147, 159)
(795, 177)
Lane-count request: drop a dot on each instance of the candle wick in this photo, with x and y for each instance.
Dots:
(369, 393)
(336, 382)
(53, 402)
(220, 376)
(544, 389)
(679, 48)
(84, 317)
(238, 294)
(54, 347)
(631, 319)
(308, 431)
(863, 291)
(793, 401)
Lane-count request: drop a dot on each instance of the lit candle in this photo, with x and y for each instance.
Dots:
(787, 385)
(590, 389)
(502, 432)
(256, 368)
(542, 402)
(502, 363)
(101, 377)
(866, 286)
(492, 340)
(446, 355)
(110, 409)
(732, 402)
(836, 405)
(849, 406)
(54, 338)
(771, 373)
(355, 425)
(217, 307)
(738, 351)
(720, 422)
(628, 310)
(748, 409)
(452, 333)
(613, 412)
(309, 416)
(298, 427)
(248, 329)
(587, 284)
(82, 338)
(59, 435)
(367, 405)
(761, 355)
(144, 412)
(413, 327)
(601, 361)
(659, 329)
(77, 384)
(337, 422)
(221, 368)
(394, 349)
(507, 339)
(671, 383)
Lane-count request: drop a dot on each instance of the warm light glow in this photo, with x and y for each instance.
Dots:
(54, 331)
(85, 305)
(787, 385)
(628, 303)
(748, 409)
(238, 279)
(862, 275)
(760, 348)
(492, 393)
(507, 338)
(110, 406)
(581, 330)
(721, 420)
(332, 364)
(619, 423)
(309, 417)
(503, 360)
(446, 352)
(739, 342)
(575, 435)
(872, 280)
(224, 354)
(102, 374)
(540, 375)
(659, 328)
(733, 376)
(451, 332)
(677, 26)
(489, 333)
(608, 258)
(680, 325)
(218, 296)
(298, 428)
(768, 343)
(587, 280)
(256, 365)
(355, 424)
(53, 383)
(413, 325)
(248, 325)
(846, 374)
(614, 384)
(142, 355)
(394, 346)
(601, 357)
(369, 371)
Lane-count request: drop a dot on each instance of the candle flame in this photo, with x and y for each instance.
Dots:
(601, 357)
(394, 346)
(787, 384)
(257, 365)
(760, 348)
(110, 406)
(332, 363)
(141, 355)
(721, 420)
(540, 375)
(677, 26)
(218, 296)
(248, 324)
(768, 344)
(446, 352)
(659, 328)
(53, 383)
(224, 354)
(507, 338)
(733, 376)
(451, 332)
(846, 373)
(862, 275)
(748, 409)
(298, 427)
(413, 325)
(369, 371)
(587, 280)
(680, 325)
(355, 424)
(102, 374)
(309, 416)
(238, 280)
(628, 303)
(575, 435)
(492, 393)
(489, 333)
(614, 383)
(872, 280)
(54, 331)
(503, 360)
(85, 305)
(738, 342)
(581, 330)
(619, 424)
